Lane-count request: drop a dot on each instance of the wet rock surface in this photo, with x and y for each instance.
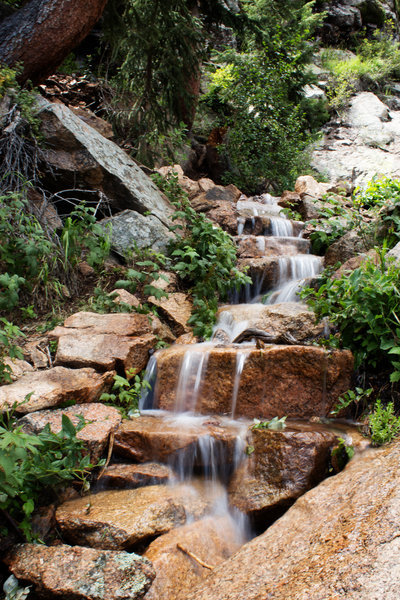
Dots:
(51, 388)
(339, 540)
(296, 381)
(291, 318)
(164, 439)
(252, 246)
(100, 421)
(120, 519)
(282, 466)
(133, 476)
(184, 557)
(80, 573)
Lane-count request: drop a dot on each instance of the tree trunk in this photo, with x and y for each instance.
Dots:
(42, 33)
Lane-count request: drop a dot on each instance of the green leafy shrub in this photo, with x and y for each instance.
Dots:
(379, 192)
(33, 464)
(365, 307)
(8, 349)
(125, 394)
(204, 257)
(340, 455)
(383, 423)
(351, 397)
(275, 424)
(377, 60)
(148, 264)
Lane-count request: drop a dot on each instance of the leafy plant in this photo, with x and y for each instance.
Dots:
(340, 455)
(383, 423)
(357, 396)
(365, 307)
(30, 464)
(148, 264)
(203, 255)
(8, 333)
(126, 394)
(275, 424)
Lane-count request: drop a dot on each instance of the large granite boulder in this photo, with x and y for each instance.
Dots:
(80, 573)
(339, 541)
(49, 389)
(283, 464)
(296, 381)
(119, 519)
(84, 158)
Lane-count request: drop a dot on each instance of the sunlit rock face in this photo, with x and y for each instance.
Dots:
(339, 540)
(296, 381)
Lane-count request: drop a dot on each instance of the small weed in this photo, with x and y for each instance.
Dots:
(275, 424)
(383, 423)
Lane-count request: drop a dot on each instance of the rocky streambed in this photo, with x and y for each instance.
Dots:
(196, 502)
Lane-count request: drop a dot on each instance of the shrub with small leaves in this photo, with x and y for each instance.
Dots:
(383, 423)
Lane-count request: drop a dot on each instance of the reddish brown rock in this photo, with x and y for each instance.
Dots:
(305, 184)
(252, 246)
(289, 199)
(120, 519)
(296, 381)
(89, 117)
(263, 271)
(100, 420)
(339, 541)
(176, 310)
(51, 388)
(124, 324)
(104, 351)
(165, 438)
(210, 540)
(133, 476)
(354, 263)
(348, 246)
(283, 465)
(81, 573)
(225, 215)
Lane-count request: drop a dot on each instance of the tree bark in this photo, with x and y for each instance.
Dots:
(43, 32)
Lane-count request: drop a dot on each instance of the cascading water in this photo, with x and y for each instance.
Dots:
(293, 273)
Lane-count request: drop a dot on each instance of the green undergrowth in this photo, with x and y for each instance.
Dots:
(125, 393)
(376, 61)
(34, 466)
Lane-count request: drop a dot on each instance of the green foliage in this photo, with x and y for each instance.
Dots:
(341, 454)
(275, 424)
(383, 423)
(147, 265)
(126, 393)
(8, 349)
(13, 591)
(155, 48)
(82, 234)
(258, 94)
(379, 192)
(204, 257)
(32, 464)
(376, 61)
(355, 397)
(34, 264)
(365, 307)
(103, 302)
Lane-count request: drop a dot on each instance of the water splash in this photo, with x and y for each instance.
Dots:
(240, 360)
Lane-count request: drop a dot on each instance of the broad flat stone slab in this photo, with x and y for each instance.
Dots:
(51, 388)
(338, 541)
(296, 381)
(120, 519)
(170, 439)
(284, 464)
(104, 351)
(100, 420)
(125, 324)
(134, 476)
(81, 573)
